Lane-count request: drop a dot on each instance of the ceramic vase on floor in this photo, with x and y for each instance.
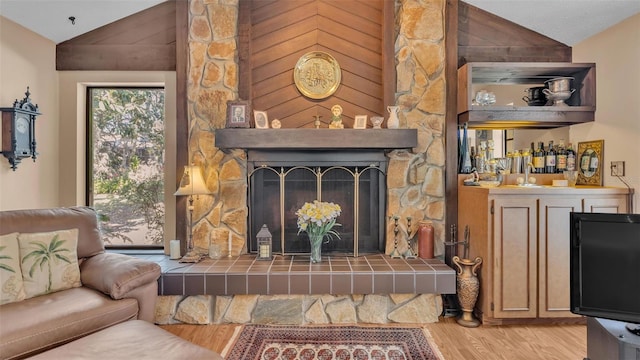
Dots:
(316, 248)
(468, 287)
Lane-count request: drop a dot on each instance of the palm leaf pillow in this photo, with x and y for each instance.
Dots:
(49, 261)
(11, 285)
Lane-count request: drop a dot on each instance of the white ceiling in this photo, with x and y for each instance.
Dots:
(567, 21)
(50, 18)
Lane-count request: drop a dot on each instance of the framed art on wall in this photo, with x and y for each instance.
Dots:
(589, 159)
(238, 114)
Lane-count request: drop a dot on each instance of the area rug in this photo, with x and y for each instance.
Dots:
(270, 342)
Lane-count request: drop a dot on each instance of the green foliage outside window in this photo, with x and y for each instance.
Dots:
(128, 164)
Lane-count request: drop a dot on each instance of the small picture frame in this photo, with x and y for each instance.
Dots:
(238, 114)
(360, 122)
(261, 119)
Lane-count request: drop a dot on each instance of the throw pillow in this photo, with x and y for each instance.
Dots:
(11, 285)
(49, 261)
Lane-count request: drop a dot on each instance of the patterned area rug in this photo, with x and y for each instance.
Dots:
(270, 342)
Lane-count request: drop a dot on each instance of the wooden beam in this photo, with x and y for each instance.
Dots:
(451, 121)
(116, 57)
(182, 117)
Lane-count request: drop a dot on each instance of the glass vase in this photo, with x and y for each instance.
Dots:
(316, 248)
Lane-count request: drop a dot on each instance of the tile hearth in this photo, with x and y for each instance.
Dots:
(371, 274)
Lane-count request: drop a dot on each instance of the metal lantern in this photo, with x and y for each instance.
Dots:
(264, 243)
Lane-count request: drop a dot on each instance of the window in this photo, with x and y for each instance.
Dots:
(125, 178)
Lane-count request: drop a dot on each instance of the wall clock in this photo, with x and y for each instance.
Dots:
(18, 131)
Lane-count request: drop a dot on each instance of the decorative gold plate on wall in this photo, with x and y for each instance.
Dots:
(317, 75)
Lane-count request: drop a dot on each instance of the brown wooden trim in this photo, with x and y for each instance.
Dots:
(509, 53)
(116, 57)
(451, 121)
(182, 117)
(244, 51)
(388, 54)
(316, 139)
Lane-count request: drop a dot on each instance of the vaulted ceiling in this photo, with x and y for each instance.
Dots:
(568, 22)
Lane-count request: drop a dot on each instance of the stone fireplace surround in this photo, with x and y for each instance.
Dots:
(415, 182)
(341, 289)
(321, 147)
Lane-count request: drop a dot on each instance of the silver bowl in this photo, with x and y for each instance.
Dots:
(559, 84)
(558, 97)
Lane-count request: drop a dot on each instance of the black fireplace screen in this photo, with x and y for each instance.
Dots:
(278, 189)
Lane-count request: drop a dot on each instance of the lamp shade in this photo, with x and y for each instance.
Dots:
(192, 182)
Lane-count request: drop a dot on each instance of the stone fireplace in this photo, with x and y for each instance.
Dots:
(344, 289)
(288, 167)
(415, 174)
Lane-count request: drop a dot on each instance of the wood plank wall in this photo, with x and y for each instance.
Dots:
(483, 36)
(145, 41)
(275, 34)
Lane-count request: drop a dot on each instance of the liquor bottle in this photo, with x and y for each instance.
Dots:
(593, 162)
(466, 156)
(538, 158)
(473, 157)
(561, 157)
(550, 160)
(571, 158)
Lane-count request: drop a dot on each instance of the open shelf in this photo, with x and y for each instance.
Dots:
(580, 107)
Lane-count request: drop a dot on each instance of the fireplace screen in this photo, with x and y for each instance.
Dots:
(278, 189)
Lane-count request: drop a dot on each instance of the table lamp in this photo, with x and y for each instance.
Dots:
(192, 183)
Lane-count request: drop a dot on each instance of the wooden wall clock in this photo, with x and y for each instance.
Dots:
(18, 131)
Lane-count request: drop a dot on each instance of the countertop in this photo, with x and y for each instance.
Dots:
(548, 190)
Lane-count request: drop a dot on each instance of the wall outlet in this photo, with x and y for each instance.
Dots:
(617, 168)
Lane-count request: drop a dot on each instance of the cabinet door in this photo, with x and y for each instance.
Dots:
(553, 261)
(514, 259)
(613, 204)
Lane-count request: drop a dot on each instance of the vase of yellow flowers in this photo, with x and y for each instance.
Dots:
(317, 219)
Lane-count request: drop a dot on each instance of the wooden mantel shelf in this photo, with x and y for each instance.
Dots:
(316, 139)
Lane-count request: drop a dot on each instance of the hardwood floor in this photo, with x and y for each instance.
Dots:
(505, 342)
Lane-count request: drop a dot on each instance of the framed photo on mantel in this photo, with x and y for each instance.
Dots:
(238, 114)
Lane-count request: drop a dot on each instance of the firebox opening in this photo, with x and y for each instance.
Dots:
(354, 180)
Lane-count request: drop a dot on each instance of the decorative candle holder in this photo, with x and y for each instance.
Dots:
(264, 243)
(395, 254)
(410, 253)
